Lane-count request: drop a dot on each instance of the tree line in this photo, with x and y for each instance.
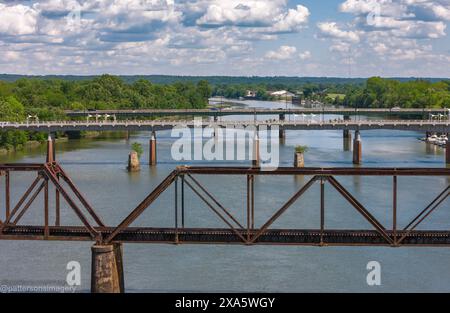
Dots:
(389, 93)
(47, 99)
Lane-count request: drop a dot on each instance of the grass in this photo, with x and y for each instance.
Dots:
(333, 96)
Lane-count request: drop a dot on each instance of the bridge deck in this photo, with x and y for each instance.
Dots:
(225, 236)
(259, 111)
(146, 125)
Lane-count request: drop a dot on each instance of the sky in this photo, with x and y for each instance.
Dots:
(336, 38)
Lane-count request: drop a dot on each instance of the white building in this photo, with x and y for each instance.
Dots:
(282, 93)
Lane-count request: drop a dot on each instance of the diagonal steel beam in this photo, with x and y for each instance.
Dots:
(360, 208)
(25, 208)
(23, 198)
(50, 175)
(215, 201)
(284, 208)
(143, 205)
(426, 212)
(80, 197)
(215, 211)
(428, 207)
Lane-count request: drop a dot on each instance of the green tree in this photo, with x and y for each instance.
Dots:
(137, 147)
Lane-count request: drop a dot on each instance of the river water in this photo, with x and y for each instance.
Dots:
(98, 167)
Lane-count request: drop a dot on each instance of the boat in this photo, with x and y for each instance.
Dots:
(432, 138)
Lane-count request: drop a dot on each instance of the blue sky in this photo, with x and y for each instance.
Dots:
(344, 38)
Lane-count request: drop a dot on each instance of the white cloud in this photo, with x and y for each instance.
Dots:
(305, 55)
(332, 30)
(269, 15)
(17, 19)
(283, 53)
(294, 19)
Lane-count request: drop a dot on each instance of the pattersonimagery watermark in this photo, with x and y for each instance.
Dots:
(373, 278)
(17, 288)
(232, 143)
(73, 282)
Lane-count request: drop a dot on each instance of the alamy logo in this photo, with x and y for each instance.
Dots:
(374, 276)
(73, 277)
(74, 17)
(374, 16)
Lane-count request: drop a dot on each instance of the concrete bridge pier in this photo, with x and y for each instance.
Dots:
(357, 149)
(347, 143)
(347, 140)
(282, 131)
(107, 269)
(347, 133)
(152, 150)
(447, 153)
(255, 161)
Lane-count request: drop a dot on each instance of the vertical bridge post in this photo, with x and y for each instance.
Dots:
(50, 149)
(152, 150)
(107, 269)
(357, 148)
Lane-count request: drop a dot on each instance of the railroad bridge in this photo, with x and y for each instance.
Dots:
(107, 265)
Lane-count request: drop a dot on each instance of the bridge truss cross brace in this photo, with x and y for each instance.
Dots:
(47, 174)
(238, 232)
(107, 264)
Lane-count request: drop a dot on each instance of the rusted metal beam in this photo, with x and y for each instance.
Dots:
(80, 197)
(215, 200)
(216, 211)
(7, 195)
(322, 209)
(23, 198)
(317, 171)
(50, 175)
(143, 205)
(21, 167)
(360, 208)
(28, 204)
(394, 208)
(299, 237)
(234, 234)
(46, 230)
(294, 198)
(425, 213)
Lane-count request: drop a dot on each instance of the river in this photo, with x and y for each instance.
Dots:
(98, 167)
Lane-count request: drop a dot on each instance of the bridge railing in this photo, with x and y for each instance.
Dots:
(172, 122)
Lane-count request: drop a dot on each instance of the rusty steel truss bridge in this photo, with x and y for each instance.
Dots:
(51, 175)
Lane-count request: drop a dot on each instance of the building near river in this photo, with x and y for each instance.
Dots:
(282, 94)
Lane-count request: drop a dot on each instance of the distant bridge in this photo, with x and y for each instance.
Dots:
(246, 111)
(153, 125)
